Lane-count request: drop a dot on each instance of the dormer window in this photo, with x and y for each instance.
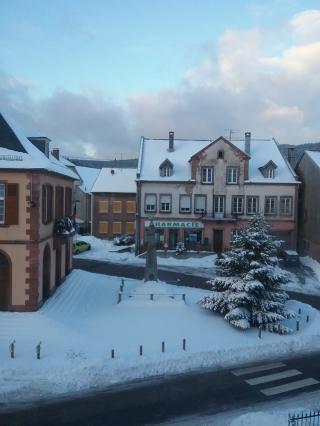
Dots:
(269, 170)
(220, 154)
(166, 168)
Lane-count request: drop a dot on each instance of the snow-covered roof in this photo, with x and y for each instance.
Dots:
(88, 177)
(115, 180)
(154, 151)
(262, 151)
(24, 155)
(315, 156)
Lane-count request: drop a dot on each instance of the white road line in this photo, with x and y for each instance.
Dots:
(289, 387)
(257, 369)
(273, 377)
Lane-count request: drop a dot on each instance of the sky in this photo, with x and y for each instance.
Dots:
(94, 76)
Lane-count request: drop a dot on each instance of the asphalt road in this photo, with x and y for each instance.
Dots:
(155, 401)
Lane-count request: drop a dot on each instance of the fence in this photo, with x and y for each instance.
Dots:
(311, 418)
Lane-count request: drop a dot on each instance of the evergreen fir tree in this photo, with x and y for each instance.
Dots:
(248, 291)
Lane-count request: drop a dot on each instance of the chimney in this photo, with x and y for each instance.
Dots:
(42, 143)
(247, 142)
(171, 141)
(290, 155)
(56, 153)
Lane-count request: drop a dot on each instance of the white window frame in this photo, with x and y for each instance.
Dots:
(232, 175)
(286, 206)
(146, 205)
(200, 197)
(252, 204)
(166, 171)
(270, 173)
(207, 175)
(165, 203)
(270, 210)
(237, 207)
(219, 204)
(184, 209)
(3, 202)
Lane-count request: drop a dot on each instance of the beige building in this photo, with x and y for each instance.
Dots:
(200, 192)
(36, 191)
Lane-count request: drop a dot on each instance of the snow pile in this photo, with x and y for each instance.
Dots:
(82, 322)
(313, 264)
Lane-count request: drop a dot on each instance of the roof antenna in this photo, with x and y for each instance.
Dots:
(231, 132)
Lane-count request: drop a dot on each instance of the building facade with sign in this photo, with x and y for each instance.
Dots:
(114, 203)
(199, 191)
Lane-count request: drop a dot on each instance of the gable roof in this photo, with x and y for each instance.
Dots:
(241, 152)
(88, 177)
(18, 153)
(315, 156)
(261, 152)
(115, 180)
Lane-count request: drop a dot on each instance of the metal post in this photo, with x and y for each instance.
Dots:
(259, 332)
(162, 347)
(184, 297)
(11, 349)
(184, 344)
(298, 326)
(38, 350)
(112, 353)
(119, 298)
(151, 296)
(140, 350)
(299, 311)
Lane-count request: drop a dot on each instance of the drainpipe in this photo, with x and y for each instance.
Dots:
(138, 218)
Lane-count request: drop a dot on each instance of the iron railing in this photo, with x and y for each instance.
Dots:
(305, 418)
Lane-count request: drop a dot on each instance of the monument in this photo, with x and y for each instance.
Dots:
(151, 270)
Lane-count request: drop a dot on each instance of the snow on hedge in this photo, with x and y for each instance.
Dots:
(80, 324)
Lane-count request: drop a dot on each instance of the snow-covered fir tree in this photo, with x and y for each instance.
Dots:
(248, 291)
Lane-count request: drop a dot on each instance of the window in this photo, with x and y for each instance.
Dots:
(270, 206)
(185, 204)
(117, 227)
(59, 202)
(252, 205)
(237, 205)
(150, 203)
(103, 227)
(166, 168)
(232, 175)
(270, 173)
(165, 171)
(130, 228)
(68, 202)
(268, 170)
(200, 204)
(103, 206)
(285, 206)
(220, 154)
(131, 206)
(2, 202)
(235, 232)
(207, 175)
(116, 206)
(165, 203)
(47, 199)
(218, 205)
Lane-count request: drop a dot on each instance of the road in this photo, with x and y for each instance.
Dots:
(155, 401)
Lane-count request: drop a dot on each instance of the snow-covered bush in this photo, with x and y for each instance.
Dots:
(248, 289)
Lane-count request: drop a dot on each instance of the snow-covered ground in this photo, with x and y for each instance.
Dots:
(107, 251)
(307, 279)
(82, 322)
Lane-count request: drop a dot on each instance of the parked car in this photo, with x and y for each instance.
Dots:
(124, 240)
(290, 257)
(80, 246)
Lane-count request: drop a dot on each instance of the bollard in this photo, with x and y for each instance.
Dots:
(162, 347)
(140, 350)
(308, 318)
(38, 350)
(299, 311)
(151, 296)
(184, 297)
(184, 344)
(112, 353)
(11, 349)
(259, 332)
(298, 326)
(119, 298)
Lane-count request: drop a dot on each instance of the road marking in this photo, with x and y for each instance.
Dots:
(273, 377)
(257, 369)
(289, 387)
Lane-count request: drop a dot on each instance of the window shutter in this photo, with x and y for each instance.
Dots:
(44, 204)
(12, 204)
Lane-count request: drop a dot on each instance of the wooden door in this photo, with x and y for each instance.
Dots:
(217, 240)
(5, 282)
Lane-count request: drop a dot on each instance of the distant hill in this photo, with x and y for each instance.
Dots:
(98, 164)
(298, 150)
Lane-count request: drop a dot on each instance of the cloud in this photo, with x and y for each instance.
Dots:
(241, 84)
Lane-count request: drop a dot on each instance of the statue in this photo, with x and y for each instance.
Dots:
(151, 271)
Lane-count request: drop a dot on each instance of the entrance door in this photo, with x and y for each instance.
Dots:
(5, 282)
(217, 240)
(58, 266)
(46, 273)
(173, 239)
